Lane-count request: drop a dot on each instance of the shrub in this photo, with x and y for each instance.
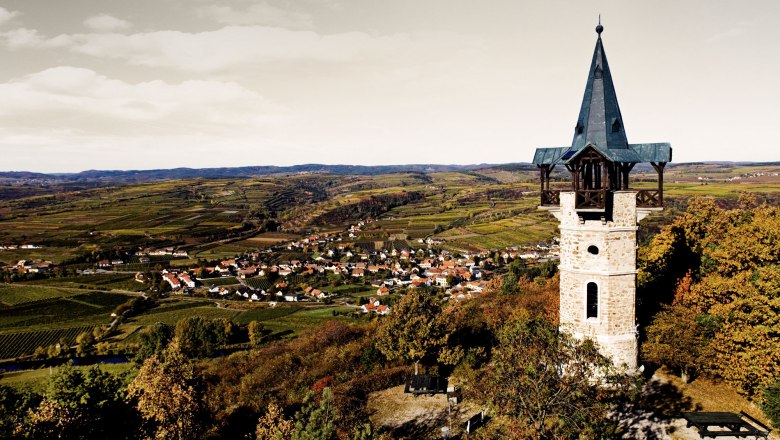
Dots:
(771, 405)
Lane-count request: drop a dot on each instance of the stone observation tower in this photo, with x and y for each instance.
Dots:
(598, 217)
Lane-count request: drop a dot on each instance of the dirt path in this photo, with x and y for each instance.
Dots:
(421, 417)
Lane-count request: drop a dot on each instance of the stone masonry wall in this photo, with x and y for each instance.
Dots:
(611, 265)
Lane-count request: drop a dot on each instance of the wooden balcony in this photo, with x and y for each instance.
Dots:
(551, 198)
(590, 199)
(596, 199)
(649, 198)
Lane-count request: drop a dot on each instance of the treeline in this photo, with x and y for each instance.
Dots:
(717, 270)
(370, 207)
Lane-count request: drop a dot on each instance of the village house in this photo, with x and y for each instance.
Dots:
(374, 306)
(186, 280)
(172, 281)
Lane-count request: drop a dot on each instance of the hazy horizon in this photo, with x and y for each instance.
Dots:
(203, 84)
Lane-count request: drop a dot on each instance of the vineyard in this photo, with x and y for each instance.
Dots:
(15, 294)
(259, 284)
(18, 344)
(47, 314)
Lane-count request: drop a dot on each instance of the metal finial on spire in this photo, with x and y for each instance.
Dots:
(599, 28)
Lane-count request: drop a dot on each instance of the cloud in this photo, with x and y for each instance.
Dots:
(6, 15)
(259, 13)
(22, 38)
(81, 99)
(106, 23)
(241, 46)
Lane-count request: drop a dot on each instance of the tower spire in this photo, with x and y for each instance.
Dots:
(600, 122)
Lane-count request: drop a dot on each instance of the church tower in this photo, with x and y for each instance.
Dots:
(599, 214)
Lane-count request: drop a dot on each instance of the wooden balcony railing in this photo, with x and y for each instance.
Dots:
(649, 198)
(590, 199)
(551, 198)
(596, 199)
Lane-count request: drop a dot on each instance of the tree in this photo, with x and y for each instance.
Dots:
(169, 395)
(675, 339)
(273, 425)
(82, 404)
(14, 405)
(257, 332)
(540, 383)
(414, 331)
(509, 284)
(316, 421)
(771, 405)
(153, 342)
(85, 341)
(199, 337)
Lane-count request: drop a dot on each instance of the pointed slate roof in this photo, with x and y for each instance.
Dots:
(600, 122)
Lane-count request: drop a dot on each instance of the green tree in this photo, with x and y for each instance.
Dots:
(414, 331)
(81, 404)
(198, 336)
(153, 342)
(316, 421)
(509, 284)
(85, 341)
(257, 332)
(540, 383)
(771, 405)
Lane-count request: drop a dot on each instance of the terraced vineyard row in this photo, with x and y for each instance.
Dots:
(17, 344)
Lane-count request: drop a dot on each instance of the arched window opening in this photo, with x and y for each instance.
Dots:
(592, 305)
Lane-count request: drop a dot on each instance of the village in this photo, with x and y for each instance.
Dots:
(327, 268)
(335, 265)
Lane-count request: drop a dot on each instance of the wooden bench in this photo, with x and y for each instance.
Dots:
(730, 424)
(426, 384)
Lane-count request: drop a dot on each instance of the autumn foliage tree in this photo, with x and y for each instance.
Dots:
(415, 331)
(721, 268)
(169, 395)
(673, 328)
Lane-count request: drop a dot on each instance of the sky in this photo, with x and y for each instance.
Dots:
(148, 84)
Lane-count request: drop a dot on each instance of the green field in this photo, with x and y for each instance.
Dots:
(171, 315)
(17, 294)
(306, 318)
(97, 281)
(266, 314)
(36, 380)
(223, 281)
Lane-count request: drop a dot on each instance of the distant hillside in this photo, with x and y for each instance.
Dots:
(115, 176)
(107, 177)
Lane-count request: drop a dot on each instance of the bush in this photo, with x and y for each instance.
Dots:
(771, 405)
